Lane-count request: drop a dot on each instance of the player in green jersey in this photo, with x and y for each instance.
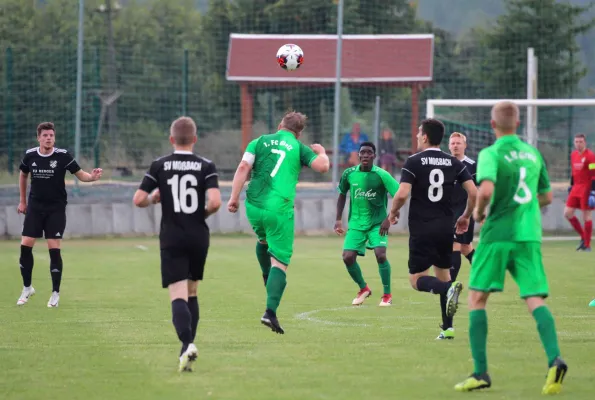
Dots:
(275, 162)
(514, 181)
(368, 225)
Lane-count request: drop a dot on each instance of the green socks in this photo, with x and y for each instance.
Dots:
(547, 332)
(356, 274)
(275, 287)
(384, 270)
(478, 339)
(264, 259)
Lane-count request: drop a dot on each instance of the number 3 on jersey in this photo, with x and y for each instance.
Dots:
(435, 191)
(279, 161)
(184, 193)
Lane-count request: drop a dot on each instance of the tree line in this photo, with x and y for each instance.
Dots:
(169, 58)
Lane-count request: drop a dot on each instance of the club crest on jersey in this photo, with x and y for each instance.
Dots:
(360, 194)
(53, 164)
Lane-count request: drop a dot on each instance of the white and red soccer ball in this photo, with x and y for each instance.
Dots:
(290, 57)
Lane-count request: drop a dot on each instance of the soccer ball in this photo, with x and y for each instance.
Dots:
(290, 57)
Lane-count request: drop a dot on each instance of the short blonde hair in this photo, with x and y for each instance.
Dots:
(294, 121)
(459, 135)
(183, 131)
(505, 115)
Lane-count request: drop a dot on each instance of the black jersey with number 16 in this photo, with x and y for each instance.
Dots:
(432, 175)
(183, 180)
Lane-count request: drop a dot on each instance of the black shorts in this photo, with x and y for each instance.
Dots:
(433, 248)
(52, 222)
(467, 237)
(183, 262)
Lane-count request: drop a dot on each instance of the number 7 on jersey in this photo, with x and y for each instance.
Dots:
(279, 161)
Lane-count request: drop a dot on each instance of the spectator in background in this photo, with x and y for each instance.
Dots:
(349, 146)
(387, 151)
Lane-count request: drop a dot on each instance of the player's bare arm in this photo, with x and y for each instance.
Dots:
(341, 200)
(399, 201)
(484, 195)
(22, 207)
(213, 202)
(321, 163)
(545, 199)
(89, 177)
(143, 199)
(463, 221)
(239, 180)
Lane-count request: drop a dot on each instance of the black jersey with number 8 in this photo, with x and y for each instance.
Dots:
(432, 175)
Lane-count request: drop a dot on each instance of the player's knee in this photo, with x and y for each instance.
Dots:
(53, 243)
(477, 300)
(349, 258)
(568, 213)
(27, 241)
(192, 288)
(587, 215)
(380, 254)
(263, 242)
(466, 249)
(413, 280)
(534, 302)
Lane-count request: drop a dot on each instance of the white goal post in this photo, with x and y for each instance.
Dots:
(431, 105)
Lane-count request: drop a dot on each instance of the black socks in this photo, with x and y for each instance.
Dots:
(26, 264)
(56, 269)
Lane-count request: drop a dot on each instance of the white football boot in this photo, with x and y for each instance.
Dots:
(25, 294)
(362, 295)
(54, 300)
(188, 358)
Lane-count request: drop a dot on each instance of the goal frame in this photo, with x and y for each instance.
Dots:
(532, 136)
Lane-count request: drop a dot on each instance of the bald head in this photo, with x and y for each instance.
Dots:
(294, 122)
(505, 117)
(183, 131)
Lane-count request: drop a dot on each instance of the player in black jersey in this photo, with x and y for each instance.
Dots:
(429, 176)
(463, 244)
(45, 210)
(181, 181)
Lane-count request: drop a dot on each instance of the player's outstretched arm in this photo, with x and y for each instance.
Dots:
(22, 208)
(89, 177)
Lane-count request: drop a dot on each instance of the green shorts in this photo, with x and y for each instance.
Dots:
(276, 228)
(521, 259)
(357, 240)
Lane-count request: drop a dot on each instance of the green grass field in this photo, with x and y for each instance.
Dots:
(112, 337)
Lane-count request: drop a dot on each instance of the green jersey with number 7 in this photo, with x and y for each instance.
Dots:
(278, 160)
(519, 174)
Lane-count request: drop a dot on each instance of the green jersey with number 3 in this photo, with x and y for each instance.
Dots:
(519, 176)
(368, 195)
(278, 159)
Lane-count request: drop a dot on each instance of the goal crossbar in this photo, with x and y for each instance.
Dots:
(431, 104)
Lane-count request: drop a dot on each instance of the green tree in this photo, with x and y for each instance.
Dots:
(551, 28)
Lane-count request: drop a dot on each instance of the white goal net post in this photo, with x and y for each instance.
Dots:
(548, 124)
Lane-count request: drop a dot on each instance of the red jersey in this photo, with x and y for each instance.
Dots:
(583, 167)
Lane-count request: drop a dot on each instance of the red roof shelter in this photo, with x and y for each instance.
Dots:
(393, 60)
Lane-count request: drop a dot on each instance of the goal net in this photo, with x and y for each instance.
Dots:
(548, 124)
